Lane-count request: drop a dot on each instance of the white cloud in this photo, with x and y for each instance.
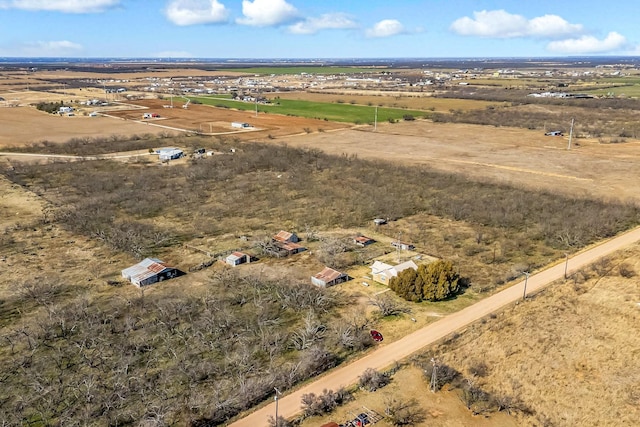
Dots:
(329, 21)
(195, 12)
(172, 54)
(502, 24)
(49, 48)
(589, 44)
(386, 28)
(67, 6)
(266, 13)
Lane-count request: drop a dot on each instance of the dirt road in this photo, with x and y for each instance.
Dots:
(387, 354)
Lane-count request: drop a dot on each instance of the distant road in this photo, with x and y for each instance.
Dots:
(70, 157)
(386, 355)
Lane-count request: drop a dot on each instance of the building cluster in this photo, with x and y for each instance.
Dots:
(284, 243)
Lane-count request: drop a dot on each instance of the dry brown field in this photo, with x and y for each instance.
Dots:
(207, 119)
(24, 125)
(570, 353)
(408, 100)
(509, 155)
(442, 409)
(150, 72)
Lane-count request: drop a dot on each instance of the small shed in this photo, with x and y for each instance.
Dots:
(328, 277)
(149, 271)
(403, 245)
(363, 241)
(285, 236)
(237, 258)
(291, 248)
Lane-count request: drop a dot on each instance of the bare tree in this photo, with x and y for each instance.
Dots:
(388, 306)
(404, 412)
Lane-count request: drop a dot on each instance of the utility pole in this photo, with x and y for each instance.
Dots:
(375, 120)
(566, 264)
(526, 279)
(276, 399)
(570, 135)
(434, 376)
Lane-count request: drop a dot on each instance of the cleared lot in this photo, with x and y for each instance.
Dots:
(23, 125)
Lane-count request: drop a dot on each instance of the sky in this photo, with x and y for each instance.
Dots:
(318, 28)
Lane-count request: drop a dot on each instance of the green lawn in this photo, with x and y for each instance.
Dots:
(348, 113)
(303, 69)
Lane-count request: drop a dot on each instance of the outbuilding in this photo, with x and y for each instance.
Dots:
(237, 258)
(328, 277)
(149, 271)
(170, 153)
(285, 236)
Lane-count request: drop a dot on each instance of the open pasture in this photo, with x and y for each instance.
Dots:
(520, 157)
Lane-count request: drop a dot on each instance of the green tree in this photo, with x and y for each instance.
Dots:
(432, 282)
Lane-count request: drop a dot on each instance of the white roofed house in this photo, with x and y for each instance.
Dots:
(382, 272)
(328, 277)
(149, 271)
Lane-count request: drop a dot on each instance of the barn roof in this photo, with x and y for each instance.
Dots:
(146, 268)
(283, 236)
(328, 275)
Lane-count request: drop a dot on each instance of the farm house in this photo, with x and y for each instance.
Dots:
(149, 271)
(382, 272)
(328, 277)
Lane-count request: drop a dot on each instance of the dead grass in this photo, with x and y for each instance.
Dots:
(442, 409)
(567, 353)
(519, 157)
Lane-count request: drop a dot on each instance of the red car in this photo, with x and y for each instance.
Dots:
(377, 336)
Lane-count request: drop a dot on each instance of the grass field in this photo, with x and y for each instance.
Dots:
(412, 101)
(348, 113)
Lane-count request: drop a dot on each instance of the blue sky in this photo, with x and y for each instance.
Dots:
(318, 29)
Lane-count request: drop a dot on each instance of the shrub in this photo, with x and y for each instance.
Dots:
(324, 403)
(372, 380)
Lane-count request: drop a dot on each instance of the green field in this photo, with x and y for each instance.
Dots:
(318, 110)
(629, 90)
(303, 69)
